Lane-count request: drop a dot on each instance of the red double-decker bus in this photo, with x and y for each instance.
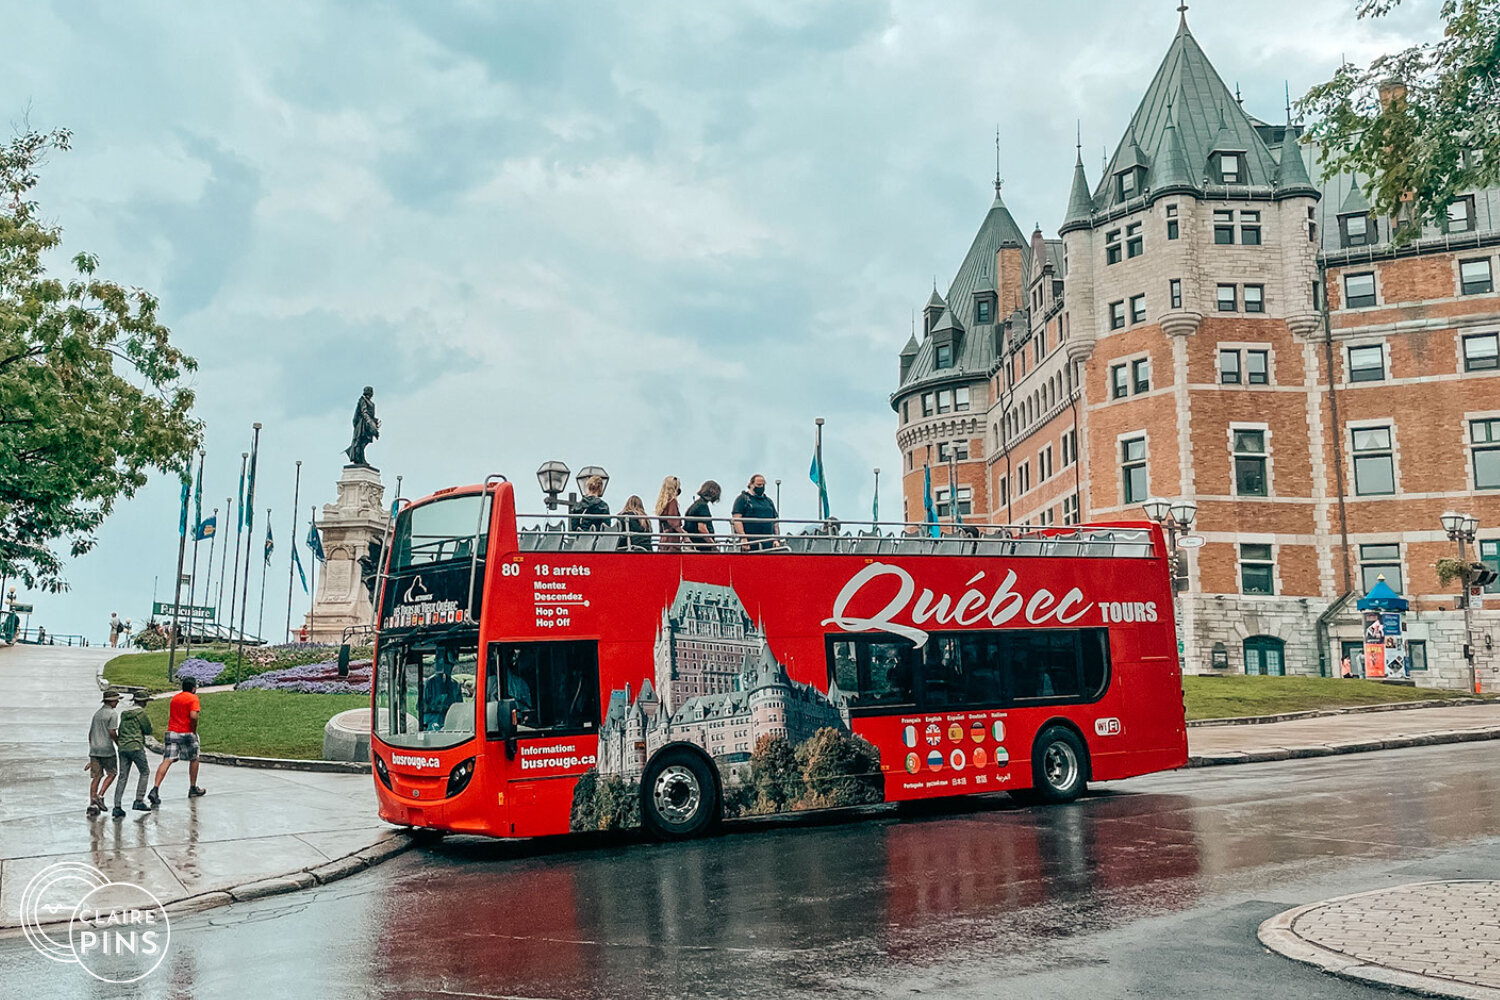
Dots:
(530, 679)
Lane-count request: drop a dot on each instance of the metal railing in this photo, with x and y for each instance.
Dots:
(41, 637)
(548, 533)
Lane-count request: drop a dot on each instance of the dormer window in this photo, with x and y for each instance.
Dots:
(1230, 167)
(1357, 230)
(982, 311)
(1129, 183)
(945, 355)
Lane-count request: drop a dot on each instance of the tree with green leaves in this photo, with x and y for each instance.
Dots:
(1423, 124)
(91, 387)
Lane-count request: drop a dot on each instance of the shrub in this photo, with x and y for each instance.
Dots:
(205, 672)
(312, 678)
(840, 769)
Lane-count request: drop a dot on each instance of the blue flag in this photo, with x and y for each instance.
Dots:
(932, 519)
(208, 528)
(270, 544)
(250, 494)
(187, 488)
(314, 543)
(875, 507)
(240, 511)
(297, 562)
(198, 502)
(816, 475)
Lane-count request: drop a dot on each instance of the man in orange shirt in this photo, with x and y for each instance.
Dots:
(182, 739)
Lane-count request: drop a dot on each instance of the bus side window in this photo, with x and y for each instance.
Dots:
(874, 671)
(555, 685)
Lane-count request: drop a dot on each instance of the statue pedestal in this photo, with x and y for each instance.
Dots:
(352, 529)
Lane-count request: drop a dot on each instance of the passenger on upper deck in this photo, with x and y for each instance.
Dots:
(592, 513)
(754, 516)
(699, 522)
(635, 526)
(668, 516)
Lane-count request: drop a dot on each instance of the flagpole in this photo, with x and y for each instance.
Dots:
(953, 487)
(223, 562)
(177, 589)
(291, 564)
(260, 623)
(818, 453)
(876, 507)
(193, 578)
(239, 659)
(211, 540)
(312, 607)
(239, 531)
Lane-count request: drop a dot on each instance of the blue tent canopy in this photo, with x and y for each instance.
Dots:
(1382, 598)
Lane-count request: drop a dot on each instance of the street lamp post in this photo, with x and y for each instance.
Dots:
(1177, 517)
(1462, 528)
(552, 477)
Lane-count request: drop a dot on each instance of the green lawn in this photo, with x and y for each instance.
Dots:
(147, 670)
(263, 723)
(1237, 696)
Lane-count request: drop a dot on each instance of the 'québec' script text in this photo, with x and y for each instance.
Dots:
(969, 608)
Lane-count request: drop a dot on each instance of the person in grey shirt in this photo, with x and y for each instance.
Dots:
(103, 763)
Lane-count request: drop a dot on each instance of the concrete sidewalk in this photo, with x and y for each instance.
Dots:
(256, 831)
(1432, 938)
(1328, 735)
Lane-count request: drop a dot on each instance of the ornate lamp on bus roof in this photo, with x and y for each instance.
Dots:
(552, 477)
(590, 471)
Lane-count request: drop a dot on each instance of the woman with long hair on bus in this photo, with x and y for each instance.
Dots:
(668, 516)
(635, 526)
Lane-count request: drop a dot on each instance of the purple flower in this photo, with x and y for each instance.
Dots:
(205, 672)
(313, 678)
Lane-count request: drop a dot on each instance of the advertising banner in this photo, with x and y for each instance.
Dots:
(1374, 644)
(1395, 644)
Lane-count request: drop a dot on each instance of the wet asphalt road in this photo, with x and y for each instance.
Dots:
(1149, 888)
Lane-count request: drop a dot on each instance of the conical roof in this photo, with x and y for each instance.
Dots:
(1205, 116)
(1080, 202)
(1355, 201)
(1171, 168)
(976, 354)
(936, 299)
(911, 348)
(1291, 172)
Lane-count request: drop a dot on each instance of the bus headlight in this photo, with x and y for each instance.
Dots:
(381, 772)
(458, 778)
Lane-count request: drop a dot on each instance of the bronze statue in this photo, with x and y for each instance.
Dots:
(366, 428)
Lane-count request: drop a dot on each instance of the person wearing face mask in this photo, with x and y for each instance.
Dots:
(754, 516)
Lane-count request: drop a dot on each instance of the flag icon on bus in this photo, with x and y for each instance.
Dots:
(909, 736)
(935, 759)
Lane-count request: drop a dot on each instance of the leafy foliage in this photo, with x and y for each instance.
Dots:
(91, 393)
(840, 769)
(1435, 136)
(605, 802)
(775, 775)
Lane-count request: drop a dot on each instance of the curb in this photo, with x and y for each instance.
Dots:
(1279, 935)
(393, 843)
(1396, 706)
(272, 763)
(1339, 749)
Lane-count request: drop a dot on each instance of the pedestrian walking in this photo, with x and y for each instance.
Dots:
(130, 739)
(102, 761)
(114, 629)
(182, 739)
(698, 521)
(754, 516)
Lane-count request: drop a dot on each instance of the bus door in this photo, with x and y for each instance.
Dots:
(551, 690)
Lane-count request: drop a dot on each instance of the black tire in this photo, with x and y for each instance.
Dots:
(679, 795)
(1059, 766)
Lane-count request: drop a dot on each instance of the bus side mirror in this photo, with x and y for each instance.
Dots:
(344, 660)
(505, 719)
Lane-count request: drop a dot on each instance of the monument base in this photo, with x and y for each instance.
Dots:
(352, 529)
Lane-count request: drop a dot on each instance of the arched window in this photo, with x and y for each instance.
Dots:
(1264, 655)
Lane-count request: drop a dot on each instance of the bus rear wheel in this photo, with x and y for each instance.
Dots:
(679, 796)
(1059, 766)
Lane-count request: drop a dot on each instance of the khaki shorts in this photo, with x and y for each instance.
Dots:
(100, 766)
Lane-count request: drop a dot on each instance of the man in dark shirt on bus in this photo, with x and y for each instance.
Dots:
(698, 521)
(592, 513)
(754, 516)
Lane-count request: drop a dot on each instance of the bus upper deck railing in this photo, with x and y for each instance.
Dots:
(548, 533)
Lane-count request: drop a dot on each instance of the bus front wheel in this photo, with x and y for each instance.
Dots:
(679, 796)
(1059, 765)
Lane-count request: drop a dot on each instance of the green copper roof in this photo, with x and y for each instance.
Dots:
(976, 353)
(1354, 201)
(1205, 116)
(911, 347)
(1080, 202)
(1171, 169)
(1291, 171)
(936, 300)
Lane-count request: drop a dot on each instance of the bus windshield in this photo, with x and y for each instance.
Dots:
(424, 691)
(439, 531)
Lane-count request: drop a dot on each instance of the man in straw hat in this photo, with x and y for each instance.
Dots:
(102, 762)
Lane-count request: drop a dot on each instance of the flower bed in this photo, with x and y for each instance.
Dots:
(312, 678)
(205, 672)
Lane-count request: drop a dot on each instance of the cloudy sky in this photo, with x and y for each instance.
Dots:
(659, 237)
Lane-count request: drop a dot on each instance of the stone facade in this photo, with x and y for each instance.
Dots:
(351, 528)
(1191, 334)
